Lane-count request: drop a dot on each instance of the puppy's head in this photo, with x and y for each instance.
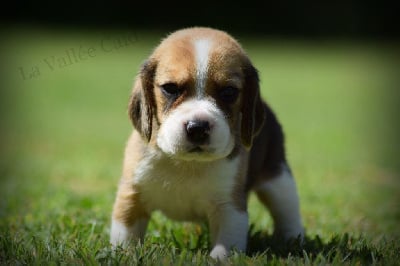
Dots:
(197, 96)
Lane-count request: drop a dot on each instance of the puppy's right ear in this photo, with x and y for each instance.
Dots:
(142, 105)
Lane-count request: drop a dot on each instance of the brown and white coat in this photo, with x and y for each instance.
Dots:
(203, 140)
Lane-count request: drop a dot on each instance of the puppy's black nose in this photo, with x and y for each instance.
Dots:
(198, 131)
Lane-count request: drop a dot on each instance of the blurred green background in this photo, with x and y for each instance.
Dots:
(63, 131)
(336, 100)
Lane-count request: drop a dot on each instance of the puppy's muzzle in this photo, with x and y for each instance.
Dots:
(198, 132)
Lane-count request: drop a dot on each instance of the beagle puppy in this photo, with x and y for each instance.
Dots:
(203, 140)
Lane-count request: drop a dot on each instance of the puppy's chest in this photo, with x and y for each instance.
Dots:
(185, 190)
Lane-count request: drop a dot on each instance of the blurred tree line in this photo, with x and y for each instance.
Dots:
(307, 18)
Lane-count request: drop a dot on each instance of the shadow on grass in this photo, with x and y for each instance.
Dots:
(337, 249)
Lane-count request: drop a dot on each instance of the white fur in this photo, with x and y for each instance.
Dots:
(196, 192)
(185, 190)
(121, 234)
(283, 203)
(202, 48)
(229, 230)
(172, 138)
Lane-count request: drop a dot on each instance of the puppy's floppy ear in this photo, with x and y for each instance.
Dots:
(253, 110)
(142, 103)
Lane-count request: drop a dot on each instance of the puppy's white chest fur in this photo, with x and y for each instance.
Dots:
(185, 190)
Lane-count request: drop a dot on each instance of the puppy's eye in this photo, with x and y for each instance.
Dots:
(171, 90)
(228, 94)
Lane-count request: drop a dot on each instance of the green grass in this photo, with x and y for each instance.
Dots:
(63, 135)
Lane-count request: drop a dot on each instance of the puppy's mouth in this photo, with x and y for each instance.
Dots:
(202, 153)
(196, 150)
(198, 153)
(199, 149)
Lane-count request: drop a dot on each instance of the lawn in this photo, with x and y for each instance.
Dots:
(64, 125)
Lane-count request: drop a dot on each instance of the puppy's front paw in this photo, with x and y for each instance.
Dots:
(290, 234)
(122, 234)
(219, 252)
(119, 234)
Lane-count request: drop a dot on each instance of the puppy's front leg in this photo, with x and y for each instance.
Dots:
(129, 220)
(229, 228)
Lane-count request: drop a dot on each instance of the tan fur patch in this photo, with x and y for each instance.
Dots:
(127, 207)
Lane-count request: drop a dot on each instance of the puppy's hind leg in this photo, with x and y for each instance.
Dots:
(129, 221)
(279, 195)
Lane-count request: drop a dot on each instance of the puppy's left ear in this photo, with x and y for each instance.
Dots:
(253, 109)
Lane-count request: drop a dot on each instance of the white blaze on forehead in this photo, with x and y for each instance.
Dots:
(202, 48)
